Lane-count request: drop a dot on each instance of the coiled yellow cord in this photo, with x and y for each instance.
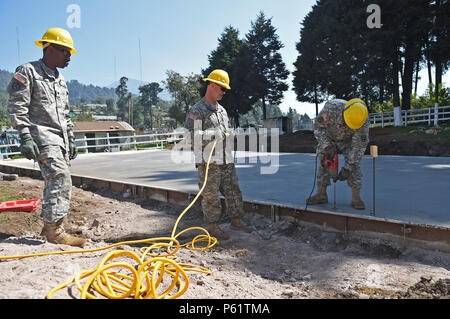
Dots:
(144, 279)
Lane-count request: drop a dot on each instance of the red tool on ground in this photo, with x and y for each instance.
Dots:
(333, 164)
(27, 205)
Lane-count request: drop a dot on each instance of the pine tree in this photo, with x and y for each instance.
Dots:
(439, 40)
(309, 79)
(232, 56)
(342, 57)
(269, 70)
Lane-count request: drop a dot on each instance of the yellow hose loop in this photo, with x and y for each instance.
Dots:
(142, 281)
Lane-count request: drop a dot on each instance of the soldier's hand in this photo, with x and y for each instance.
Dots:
(344, 174)
(73, 152)
(214, 134)
(333, 173)
(28, 147)
(330, 151)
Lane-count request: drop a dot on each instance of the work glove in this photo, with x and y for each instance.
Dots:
(72, 149)
(28, 147)
(215, 134)
(344, 174)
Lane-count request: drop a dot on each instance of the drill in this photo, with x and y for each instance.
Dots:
(332, 164)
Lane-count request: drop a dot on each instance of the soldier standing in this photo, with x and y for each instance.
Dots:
(208, 120)
(39, 109)
(341, 126)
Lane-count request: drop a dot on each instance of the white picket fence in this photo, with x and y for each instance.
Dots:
(426, 116)
(110, 143)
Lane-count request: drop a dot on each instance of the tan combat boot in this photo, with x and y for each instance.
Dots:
(357, 202)
(237, 224)
(55, 234)
(321, 196)
(215, 231)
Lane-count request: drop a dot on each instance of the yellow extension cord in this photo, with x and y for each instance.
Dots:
(143, 279)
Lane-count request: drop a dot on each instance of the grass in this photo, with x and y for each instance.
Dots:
(7, 194)
(149, 145)
(416, 131)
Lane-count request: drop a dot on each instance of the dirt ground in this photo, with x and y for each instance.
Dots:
(281, 260)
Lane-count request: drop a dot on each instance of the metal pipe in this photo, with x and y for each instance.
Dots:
(374, 154)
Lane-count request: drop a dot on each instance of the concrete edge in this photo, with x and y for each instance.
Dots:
(427, 236)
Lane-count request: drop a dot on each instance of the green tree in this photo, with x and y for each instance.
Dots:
(269, 71)
(110, 106)
(348, 59)
(4, 118)
(149, 99)
(99, 100)
(123, 98)
(138, 116)
(185, 93)
(3, 100)
(309, 77)
(439, 41)
(232, 56)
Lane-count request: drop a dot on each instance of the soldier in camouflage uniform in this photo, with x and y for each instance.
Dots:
(39, 109)
(208, 120)
(341, 126)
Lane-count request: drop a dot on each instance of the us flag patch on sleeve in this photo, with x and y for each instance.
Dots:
(20, 77)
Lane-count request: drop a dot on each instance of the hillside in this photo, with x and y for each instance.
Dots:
(89, 92)
(77, 90)
(5, 77)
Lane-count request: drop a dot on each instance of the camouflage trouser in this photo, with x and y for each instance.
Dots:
(221, 178)
(54, 164)
(355, 178)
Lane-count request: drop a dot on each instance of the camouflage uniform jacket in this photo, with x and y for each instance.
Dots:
(335, 131)
(202, 118)
(39, 104)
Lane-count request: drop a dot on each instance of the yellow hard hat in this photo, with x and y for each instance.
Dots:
(219, 77)
(355, 113)
(57, 36)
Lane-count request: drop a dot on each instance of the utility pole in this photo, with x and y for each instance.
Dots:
(115, 69)
(140, 59)
(130, 109)
(18, 44)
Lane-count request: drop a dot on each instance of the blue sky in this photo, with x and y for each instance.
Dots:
(175, 34)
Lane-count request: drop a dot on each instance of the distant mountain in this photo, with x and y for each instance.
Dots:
(89, 92)
(78, 91)
(5, 77)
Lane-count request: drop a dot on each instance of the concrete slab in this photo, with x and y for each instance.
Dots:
(408, 188)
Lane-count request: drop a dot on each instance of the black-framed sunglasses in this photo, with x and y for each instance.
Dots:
(66, 53)
(223, 89)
